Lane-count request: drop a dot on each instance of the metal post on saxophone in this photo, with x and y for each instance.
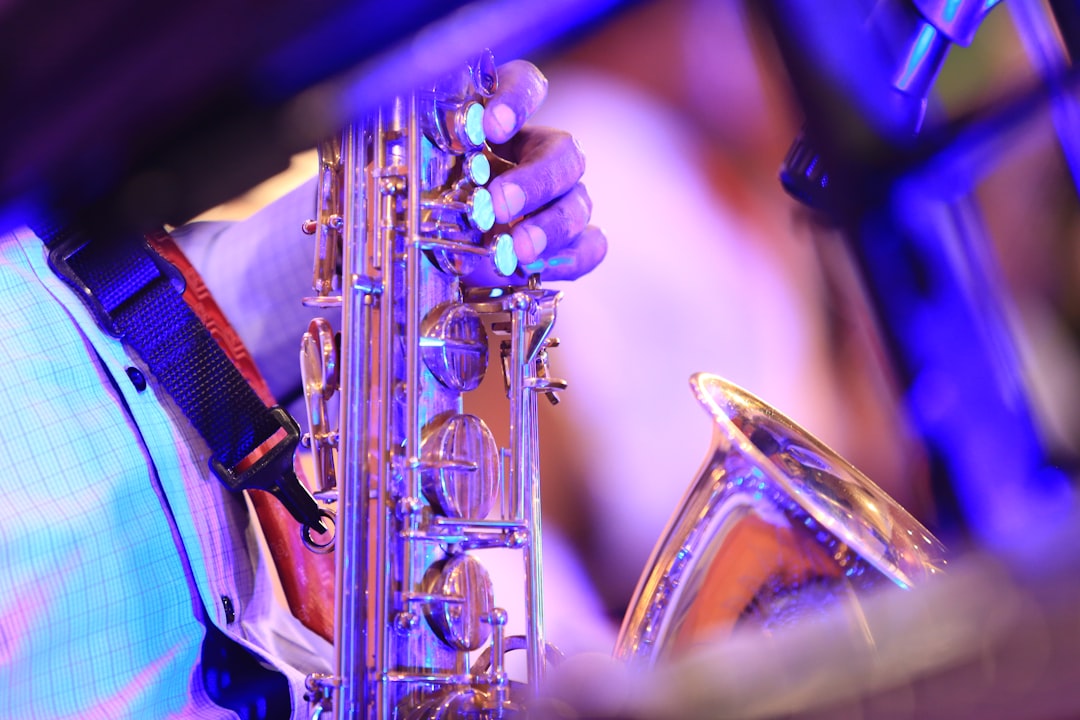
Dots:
(415, 488)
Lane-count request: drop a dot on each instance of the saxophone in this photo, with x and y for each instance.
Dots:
(775, 527)
(418, 488)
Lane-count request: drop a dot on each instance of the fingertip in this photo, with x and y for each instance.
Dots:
(585, 254)
(530, 241)
(507, 199)
(599, 243)
(593, 245)
(500, 123)
(522, 89)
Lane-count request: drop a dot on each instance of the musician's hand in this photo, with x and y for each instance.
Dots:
(541, 196)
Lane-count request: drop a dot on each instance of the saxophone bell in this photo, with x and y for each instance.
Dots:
(776, 527)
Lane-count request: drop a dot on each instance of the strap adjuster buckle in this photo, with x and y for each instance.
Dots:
(60, 260)
(269, 467)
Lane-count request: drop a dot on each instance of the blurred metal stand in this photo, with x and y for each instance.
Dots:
(917, 238)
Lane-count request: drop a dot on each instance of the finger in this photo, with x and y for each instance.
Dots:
(550, 229)
(580, 256)
(577, 257)
(550, 162)
(522, 88)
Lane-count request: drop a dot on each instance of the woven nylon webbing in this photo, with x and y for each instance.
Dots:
(152, 318)
(130, 290)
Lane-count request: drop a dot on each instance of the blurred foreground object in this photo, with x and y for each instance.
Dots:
(996, 637)
(158, 112)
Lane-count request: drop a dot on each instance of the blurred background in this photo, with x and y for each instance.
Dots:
(686, 111)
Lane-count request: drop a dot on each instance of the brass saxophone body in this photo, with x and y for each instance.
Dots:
(418, 488)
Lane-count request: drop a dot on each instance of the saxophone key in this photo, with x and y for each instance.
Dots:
(463, 595)
(477, 168)
(461, 461)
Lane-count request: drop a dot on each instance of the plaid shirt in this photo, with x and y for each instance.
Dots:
(116, 543)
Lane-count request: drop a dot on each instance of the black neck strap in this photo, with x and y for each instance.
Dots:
(137, 296)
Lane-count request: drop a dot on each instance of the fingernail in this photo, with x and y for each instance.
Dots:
(508, 200)
(505, 120)
(533, 238)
